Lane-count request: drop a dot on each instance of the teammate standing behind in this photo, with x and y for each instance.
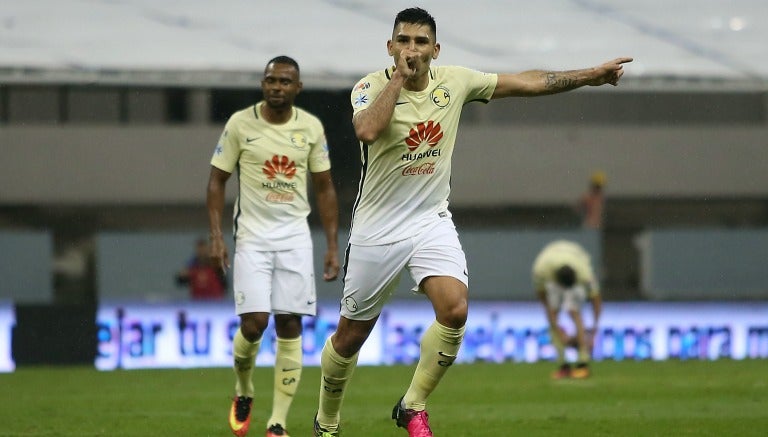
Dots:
(273, 145)
(406, 118)
(563, 278)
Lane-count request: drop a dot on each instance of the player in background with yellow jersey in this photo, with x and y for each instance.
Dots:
(274, 146)
(564, 279)
(406, 118)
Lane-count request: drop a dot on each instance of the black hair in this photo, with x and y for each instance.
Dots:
(282, 59)
(565, 276)
(416, 16)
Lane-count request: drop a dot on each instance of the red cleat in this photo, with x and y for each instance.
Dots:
(240, 415)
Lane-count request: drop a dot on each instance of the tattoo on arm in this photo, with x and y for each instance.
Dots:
(557, 81)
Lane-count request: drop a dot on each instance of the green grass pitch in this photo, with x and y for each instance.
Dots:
(671, 398)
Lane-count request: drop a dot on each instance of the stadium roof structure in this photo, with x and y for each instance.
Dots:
(225, 43)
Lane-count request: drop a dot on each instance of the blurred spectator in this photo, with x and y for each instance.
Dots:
(205, 280)
(591, 205)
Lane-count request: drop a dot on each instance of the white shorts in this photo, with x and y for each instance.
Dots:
(280, 282)
(570, 299)
(373, 272)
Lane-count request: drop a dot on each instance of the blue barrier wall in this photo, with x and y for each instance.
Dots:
(685, 264)
(26, 262)
(142, 265)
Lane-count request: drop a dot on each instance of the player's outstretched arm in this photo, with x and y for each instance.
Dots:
(541, 82)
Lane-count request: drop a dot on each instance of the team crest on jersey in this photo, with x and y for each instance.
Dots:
(441, 96)
(298, 140)
(279, 165)
(430, 133)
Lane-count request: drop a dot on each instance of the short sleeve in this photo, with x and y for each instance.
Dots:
(319, 160)
(539, 274)
(365, 91)
(480, 86)
(227, 151)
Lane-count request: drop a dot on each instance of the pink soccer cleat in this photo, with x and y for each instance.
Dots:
(416, 422)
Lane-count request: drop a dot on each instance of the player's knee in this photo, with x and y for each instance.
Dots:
(350, 336)
(252, 327)
(455, 316)
(288, 325)
(347, 343)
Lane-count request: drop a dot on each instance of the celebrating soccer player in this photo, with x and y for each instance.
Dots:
(406, 117)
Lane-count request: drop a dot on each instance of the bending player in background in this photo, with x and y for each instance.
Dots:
(563, 278)
(406, 118)
(274, 145)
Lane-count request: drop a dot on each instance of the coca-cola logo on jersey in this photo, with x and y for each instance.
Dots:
(426, 168)
(280, 197)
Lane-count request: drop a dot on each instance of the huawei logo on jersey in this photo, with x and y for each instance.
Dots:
(429, 132)
(279, 165)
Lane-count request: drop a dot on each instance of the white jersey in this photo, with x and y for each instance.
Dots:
(559, 253)
(405, 180)
(273, 161)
